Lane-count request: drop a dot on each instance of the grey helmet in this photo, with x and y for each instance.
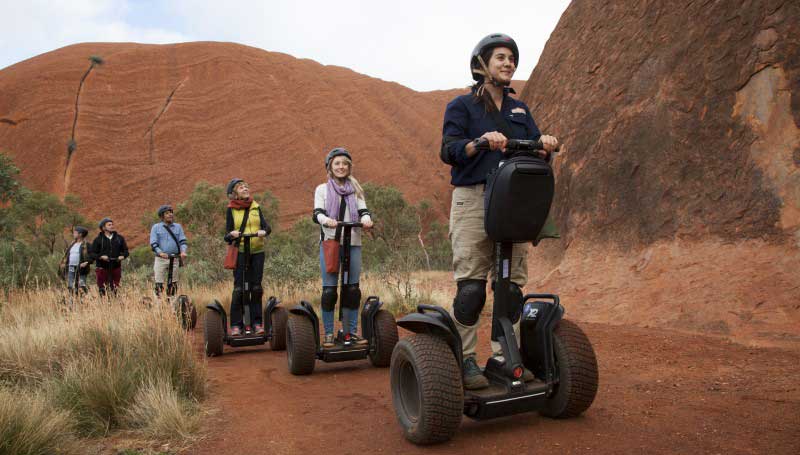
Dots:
(490, 42)
(164, 209)
(338, 151)
(231, 185)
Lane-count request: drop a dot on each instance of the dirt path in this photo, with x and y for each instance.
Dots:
(660, 392)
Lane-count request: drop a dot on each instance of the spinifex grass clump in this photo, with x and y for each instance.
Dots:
(101, 361)
(29, 425)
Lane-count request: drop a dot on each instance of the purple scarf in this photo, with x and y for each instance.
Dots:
(334, 196)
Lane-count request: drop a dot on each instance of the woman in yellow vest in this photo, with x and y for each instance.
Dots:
(242, 205)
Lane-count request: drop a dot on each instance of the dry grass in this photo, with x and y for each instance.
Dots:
(29, 425)
(106, 367)
(97, 362)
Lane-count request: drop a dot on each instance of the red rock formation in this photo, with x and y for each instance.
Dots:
(153, 120)
(679, 195)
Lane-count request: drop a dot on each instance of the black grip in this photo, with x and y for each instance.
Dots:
(522, 145)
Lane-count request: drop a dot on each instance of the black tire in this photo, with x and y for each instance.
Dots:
(385, 339)
(427, 391)
(278, 320)
(301, 346)
(188, 314)
(213, 333)
(192, 317)
(577, 370)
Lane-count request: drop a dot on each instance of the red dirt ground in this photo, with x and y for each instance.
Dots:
(661, 391)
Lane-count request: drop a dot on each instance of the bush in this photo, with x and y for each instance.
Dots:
(97, 361)
(160, 412)
(29, 425)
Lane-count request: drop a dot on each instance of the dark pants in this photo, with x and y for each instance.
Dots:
(108, 279)
(252, 293)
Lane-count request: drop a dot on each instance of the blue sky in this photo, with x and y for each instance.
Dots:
(424, 45)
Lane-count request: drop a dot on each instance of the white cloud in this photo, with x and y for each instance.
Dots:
(421, 44)
(36, 26)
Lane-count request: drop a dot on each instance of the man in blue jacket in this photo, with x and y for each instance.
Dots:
(167, 238)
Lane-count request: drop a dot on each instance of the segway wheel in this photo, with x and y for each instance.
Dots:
(188, 314)
(278, 321)
(300, 345)
(577, 370)
(426, 389)
(213, 333)
(385, 339)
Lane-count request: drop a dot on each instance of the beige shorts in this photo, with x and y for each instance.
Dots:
(473, 251)
(161, 267)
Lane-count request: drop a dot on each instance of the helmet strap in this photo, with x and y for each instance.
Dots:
(484, 71)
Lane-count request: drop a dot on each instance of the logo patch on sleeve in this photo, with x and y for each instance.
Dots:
(518, 110)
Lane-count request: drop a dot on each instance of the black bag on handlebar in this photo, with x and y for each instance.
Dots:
(517, 199)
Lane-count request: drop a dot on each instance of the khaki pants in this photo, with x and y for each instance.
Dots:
(161, 267)
(474, 254)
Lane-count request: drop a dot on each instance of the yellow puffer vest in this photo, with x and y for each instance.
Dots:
(252, 226)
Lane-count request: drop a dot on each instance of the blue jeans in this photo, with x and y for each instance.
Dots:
(349, 316)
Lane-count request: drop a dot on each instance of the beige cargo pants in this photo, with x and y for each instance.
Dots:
(474, 255)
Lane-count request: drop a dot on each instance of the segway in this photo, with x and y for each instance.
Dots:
(378, 327)
(183, 307)
(426, 367)
(215, 329)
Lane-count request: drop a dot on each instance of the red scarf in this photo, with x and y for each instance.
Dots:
(240, 203)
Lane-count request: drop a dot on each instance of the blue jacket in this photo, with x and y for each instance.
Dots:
(161, 241)
(466, 119)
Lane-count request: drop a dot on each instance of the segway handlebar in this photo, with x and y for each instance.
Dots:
(248, 235)
(516, 145)
(351, 224)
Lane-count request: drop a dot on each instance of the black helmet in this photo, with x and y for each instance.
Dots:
(103, 222)
(164, 209)
(338, 151)
(231, 185)
(490, 42)
(81, 230)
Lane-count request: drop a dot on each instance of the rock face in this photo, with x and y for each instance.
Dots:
(152, 120)
(681, 118)
(681, 121)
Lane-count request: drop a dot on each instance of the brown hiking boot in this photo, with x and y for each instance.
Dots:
(473, 376)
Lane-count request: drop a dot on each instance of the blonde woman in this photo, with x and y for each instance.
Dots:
(341, 198)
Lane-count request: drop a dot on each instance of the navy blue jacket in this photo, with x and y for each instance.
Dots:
(466, 119)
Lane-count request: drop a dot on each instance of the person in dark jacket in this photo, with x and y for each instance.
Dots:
(74, 266)
(242, 205)
(108, 250)
(490, 115)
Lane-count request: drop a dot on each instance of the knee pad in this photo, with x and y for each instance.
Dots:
(469, 301)
(237, 296)
(159, 288)
(515, 306)
(515, 309)
(351, 296)
(256, 293)
(328, 300)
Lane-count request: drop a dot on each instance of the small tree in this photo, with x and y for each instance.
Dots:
(43, 220)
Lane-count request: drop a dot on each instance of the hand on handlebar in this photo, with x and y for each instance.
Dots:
(331, 223)
(234, 234)
(163, 255)
(120, 258)
(261, 233)
(104, 258)
(550, 143)
(367, 224)
(497, 141)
